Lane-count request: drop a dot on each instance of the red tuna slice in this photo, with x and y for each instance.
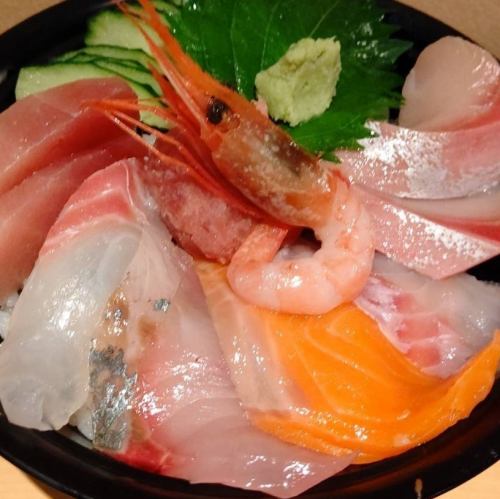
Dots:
(55, 124)
(426, 165)
(439, 325)
(421, 244)
(202, 224)
(452, 83)
(28, 210)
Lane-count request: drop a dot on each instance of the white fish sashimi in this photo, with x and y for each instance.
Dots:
(452, 83)
(438, 324)
(121, 342)
(44, 360)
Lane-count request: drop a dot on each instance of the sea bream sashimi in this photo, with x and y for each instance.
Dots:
(426, 165)
(435, 248)
(333, 381)
(453, 83)
(28, 210)
(112, 332)
(439, 325)
(53, 125)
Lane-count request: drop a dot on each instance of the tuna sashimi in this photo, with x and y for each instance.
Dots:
(28, 210)
(429, 247)
(334, 380)
(453, 83)
(426, 165)
(439, 325)
(111, 286)
(53, 125)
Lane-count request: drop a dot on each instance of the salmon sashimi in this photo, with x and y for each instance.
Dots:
(28, 210)
(453, 83)
(110, 286)
(426, 165)
(439, 325)
(49, 126)
(337, 382)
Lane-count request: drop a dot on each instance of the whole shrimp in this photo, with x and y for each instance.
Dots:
(225, 140)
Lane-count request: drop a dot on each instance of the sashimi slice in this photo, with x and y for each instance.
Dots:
(479, 214)
(52, 125)
(44, 362)
(426, 165)
(201, 223)
(452, 83)
(111, 290)
(349, 387)
(439, 325)
(431, 248)
(28, 210)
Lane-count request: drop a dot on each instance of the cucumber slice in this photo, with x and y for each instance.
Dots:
(110, 52)
(135, 74)
(33, 79)
(134, 66)
(113, 28)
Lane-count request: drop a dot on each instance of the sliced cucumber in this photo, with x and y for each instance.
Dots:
(135, 74)
(33, 79)
(113, 28)
(110, 52)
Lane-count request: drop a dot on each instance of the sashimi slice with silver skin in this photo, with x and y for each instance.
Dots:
(438, 324)
(44, 367)
(452, 83)
(113, 333)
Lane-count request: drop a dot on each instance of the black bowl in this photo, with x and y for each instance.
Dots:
(64, 461)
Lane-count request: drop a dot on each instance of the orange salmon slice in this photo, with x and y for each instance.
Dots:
(340, 384)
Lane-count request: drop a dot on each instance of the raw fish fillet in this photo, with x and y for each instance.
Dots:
(439, 325)
(426, 165)
(479, 214)
(52, 125)
(452, 83)
(433, 248)
(334, 381)
(110, 287)
(28, 210)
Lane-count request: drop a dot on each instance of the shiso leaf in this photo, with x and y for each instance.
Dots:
(235, 39)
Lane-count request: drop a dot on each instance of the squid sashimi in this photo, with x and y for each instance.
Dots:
(334, 381)
(433, 248)
(110, 286)
(439, 325)
(28, 210)
(426, 165)
(453, 83)
(53, 125)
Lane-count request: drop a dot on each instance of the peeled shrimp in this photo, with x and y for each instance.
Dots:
(301, 280)
(256, 166)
